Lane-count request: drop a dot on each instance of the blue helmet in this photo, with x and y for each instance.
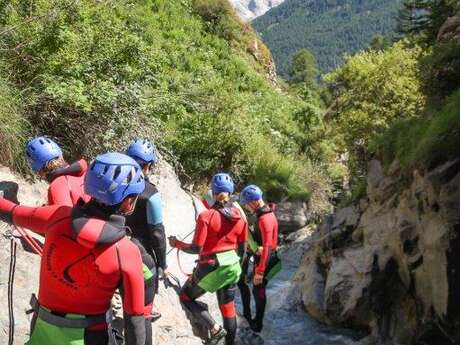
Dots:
(40, 150)
(143, 150)
(222, 183)
(250, 193)
(113, 177)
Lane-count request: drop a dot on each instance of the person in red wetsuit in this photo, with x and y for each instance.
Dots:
(45, 158)
(220, 232)
(263, 244)
(86, 257)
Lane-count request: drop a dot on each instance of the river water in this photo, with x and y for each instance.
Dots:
(285, 320)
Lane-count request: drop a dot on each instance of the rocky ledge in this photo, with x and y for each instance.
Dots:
(390, 266)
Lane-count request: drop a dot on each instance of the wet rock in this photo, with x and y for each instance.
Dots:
(292, 216)
(312, 283)
(396, 273)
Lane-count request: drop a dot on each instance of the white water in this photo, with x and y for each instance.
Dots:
(285, 321)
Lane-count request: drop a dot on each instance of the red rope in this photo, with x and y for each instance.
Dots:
(30, 240)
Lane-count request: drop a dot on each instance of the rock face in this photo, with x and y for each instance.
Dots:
(292, 216)
(450, 30)
(390, 266)
(250, 9)
(179, 219)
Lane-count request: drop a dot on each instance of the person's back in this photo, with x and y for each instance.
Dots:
(220, 229)
(81, 270)
(86, 257)
(66, 184)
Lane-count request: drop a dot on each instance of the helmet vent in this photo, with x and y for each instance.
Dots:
(117, 172)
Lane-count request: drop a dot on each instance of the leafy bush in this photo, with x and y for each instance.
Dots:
(97, 74)
(372, 90)
(423, 142)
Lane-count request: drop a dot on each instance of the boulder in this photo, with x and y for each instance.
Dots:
(396, 271)
(292, 216)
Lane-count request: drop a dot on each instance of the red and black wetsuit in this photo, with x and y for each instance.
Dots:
(86, 256)
(218, 230)
(66, 184)
(266, 236)
(66, 188)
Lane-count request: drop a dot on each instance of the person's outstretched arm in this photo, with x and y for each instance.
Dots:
(37, 219)
(201, 231)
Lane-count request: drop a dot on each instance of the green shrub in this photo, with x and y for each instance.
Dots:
(97, 74)
(13, 129)
(372, 90)
(423, 142)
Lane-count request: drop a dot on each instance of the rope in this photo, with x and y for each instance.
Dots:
(13, 247)
(195, 208)
(180, 266)
(30, 240)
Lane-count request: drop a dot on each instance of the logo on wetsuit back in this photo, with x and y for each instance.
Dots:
(68, 265)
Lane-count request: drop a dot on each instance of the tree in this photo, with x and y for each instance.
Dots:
(413, 17)
(304, 68)
(371, 90)
(379, 43)
(424, 17)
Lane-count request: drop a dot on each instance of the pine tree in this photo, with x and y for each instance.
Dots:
(413, 17)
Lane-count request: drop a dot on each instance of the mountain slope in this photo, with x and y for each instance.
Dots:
(93, 75)
(329, 29)
(250, 9)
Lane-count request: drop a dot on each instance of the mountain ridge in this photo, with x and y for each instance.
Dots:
(330, 30)
(250, 9)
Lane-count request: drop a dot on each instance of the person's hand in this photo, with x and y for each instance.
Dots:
(9, 191)
(258, 279)
(173, 241)
(260, 250)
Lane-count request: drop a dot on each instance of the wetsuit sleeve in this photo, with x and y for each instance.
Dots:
(36, 219)
(266, 231)
(201, 231)
(130, 262)
(157, 236)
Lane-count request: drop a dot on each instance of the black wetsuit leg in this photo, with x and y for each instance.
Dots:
(150, 287)
(188, 295)
(244, 288)
(260, 298)
(226, 300)
(259, 293)
(96, 337)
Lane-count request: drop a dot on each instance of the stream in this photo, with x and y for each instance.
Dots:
(285, 320)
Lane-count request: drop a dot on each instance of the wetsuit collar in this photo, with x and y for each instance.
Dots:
(263, 210)
(74, 169)
(229, 211)
(88, 229)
